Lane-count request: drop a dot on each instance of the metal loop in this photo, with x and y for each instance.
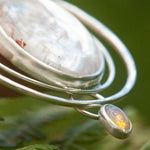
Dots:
(114, 41)
(89, 114)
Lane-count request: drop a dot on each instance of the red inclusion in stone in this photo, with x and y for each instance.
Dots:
(21, 43)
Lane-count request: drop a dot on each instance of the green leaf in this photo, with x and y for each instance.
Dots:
(28, 122)
(39, 147)
(84, 135)
(2, 119)
(27, 127)
(146, 146)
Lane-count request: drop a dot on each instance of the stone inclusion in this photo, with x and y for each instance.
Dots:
(118, 117)
(52, 35)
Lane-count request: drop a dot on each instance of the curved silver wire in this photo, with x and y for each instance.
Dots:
(113, 40)
(89, 114)
(110, 79)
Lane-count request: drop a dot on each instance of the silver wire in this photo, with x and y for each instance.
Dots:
(111, 76)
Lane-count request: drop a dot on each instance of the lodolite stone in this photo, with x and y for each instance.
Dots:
(53, 35)
(118, 117)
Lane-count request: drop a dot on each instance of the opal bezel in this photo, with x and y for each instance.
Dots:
(110, 126)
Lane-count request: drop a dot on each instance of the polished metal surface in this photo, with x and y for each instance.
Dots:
(114, 41)
(110, 79)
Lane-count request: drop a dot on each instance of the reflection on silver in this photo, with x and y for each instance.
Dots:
(74, 64)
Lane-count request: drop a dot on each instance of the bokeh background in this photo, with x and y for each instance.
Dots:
(130, 20)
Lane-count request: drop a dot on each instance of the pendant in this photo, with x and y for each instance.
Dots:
(115, 121)
(48, 40)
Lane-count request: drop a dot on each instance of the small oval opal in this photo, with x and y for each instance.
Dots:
(118, 117)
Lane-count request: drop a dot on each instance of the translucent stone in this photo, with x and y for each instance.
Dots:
(118, 117)
(50, 34)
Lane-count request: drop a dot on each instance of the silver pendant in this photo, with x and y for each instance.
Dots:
(46, 40)
(115, 121)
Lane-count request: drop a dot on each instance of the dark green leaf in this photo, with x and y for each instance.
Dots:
(26, 127)
(26, 122)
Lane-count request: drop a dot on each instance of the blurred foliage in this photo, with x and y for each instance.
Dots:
(27, 121)
(40, 147)
(146, 146)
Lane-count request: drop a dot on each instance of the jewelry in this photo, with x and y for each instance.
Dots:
(46, 40)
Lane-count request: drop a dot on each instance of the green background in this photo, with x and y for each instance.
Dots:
(130, 20)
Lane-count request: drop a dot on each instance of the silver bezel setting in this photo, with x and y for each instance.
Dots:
(110, 126)
(31, 65)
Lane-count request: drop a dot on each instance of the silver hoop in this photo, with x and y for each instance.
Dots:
(81, 105)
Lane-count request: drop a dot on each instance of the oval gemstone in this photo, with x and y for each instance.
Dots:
(118, 117)
(51, 34)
